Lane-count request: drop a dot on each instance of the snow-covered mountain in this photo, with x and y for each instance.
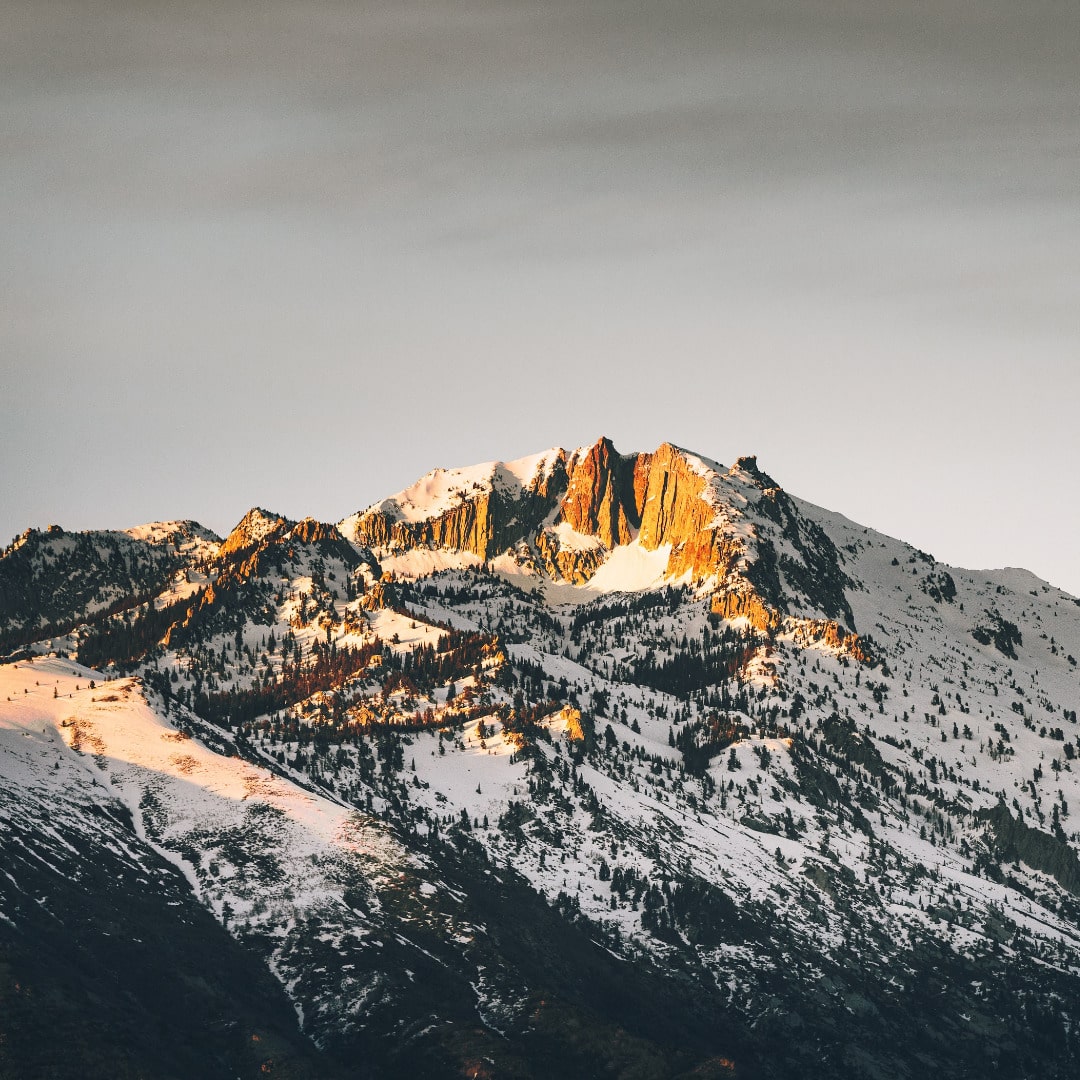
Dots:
(583, 764)
(616, 522)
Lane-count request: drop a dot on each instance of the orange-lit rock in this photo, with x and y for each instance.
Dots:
(380, 595)
(600, 495)
(835, 637)
(712, 520)
(574, 731)
(575, 565)
(747, 605)
(469, 526)
(255, 526)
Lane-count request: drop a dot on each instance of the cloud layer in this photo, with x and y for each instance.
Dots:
(332, 244)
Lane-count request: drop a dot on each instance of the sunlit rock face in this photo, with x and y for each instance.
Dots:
(603, 495)
(566, 512)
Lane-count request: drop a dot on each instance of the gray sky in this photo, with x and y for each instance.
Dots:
(296, 254)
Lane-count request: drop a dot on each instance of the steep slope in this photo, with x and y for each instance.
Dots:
(401, 960)
(109, 965)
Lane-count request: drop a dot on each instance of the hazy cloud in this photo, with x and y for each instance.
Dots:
(293, 236)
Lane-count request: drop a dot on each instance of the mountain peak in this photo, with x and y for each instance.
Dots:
(663, 517)
(252, 528)
(748, 465)
(179, 533)
(600, 498)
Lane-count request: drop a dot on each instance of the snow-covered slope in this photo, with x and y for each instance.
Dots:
(375, 946)
(266, 856)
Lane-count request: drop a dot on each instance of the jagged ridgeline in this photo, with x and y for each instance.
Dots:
(583, 764)
(566, 513)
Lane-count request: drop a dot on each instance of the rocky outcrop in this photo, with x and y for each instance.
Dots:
(326, 539)
(659, 498)
(601, 495)
(262, 539)
(734, 527)
(574, 564)
(380, 595)
(747, 605)
(253, 528)
(834, 636)
(662, 498)
(674, 510)
(575, 732)
(470, 526)
(485, 523)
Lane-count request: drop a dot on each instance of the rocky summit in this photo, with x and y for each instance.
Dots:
(587, 764)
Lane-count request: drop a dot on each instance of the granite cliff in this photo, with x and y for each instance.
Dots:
(732, 530)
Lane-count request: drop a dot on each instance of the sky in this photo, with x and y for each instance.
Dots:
(297, 254)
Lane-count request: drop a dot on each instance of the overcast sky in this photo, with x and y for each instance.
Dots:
(296, 254)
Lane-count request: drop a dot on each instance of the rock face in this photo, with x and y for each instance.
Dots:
(680, 508)
(261, 538)
(574, 564)
(483, 520)
(746, 605)
(602, 494)
(470, 526)
(733, 529)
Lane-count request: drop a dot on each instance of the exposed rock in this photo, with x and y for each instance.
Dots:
(254, 527)
(721, 527)
(748, 464)
(574, 731)
(380, 595)
(1049, 853)
(673, 509)
(478, 524)
(747, 605)
(835, 637)
(1004, 635)
(600, 496)
(576, 565)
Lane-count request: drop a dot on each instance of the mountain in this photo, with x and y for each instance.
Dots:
(584, 764)
(667, 516)
(52, 580)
